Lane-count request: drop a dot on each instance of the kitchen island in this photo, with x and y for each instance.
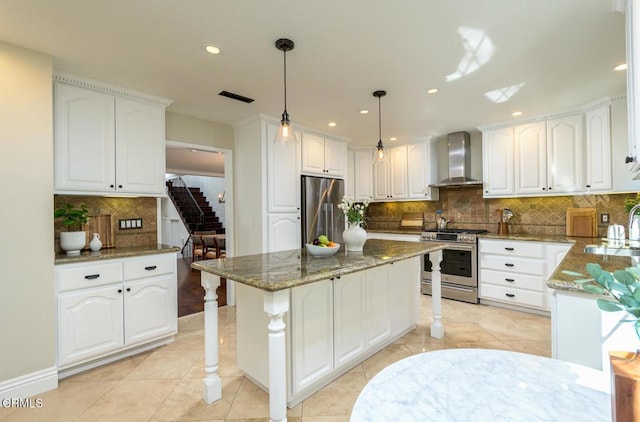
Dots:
(289, 303)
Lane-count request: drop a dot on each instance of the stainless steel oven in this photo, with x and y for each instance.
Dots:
(459, 266)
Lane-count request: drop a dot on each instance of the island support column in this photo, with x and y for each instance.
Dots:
(437, 329)
(276, 305)
(212, 384)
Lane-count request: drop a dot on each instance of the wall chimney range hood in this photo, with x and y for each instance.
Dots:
(459, 147)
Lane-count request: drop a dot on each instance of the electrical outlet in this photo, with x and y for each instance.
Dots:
(604, 218)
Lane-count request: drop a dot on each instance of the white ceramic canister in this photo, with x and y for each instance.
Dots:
(95, 243)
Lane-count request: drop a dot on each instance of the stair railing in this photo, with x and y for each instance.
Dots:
(190, 207)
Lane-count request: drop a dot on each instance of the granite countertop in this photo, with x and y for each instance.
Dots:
(282, 270)
(575, 260)
(114, 253)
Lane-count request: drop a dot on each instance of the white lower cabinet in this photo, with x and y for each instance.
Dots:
(332, 324)
(516, 272)
(107, 307)
(283, 231)
(311, 333)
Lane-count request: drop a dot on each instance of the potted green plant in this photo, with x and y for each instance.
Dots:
(623, 286)
(73, 219)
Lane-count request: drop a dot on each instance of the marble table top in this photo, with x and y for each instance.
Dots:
(281, 270)
(484, 385)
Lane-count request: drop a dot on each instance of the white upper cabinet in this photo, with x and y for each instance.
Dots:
(497, 162)
(399, 186)
(565, 143)
(530, 142)
(381, 177)
(106, 142)
(323, 156)
(85, 140)
(598, 149)
(421, 171)
(140, 149)
(283, 173)
(363, 176)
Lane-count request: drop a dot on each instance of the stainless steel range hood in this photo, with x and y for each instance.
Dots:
(459, 162)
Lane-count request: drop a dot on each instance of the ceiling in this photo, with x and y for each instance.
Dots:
(488, 58)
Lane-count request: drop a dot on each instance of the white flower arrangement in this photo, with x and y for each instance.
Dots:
(353, 211)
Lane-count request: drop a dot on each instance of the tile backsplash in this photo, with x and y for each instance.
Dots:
(467, 208)
(118, 209)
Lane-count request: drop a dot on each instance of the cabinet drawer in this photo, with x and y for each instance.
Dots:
(522, 249)
(511, 295)
(512, 264)
(507, 279)
(149, 266)
(90, 275)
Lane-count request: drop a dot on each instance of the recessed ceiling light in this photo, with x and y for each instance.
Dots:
(393, 139)
(363, 111)
(332, 124)
(432, 90)
(212, 49)
(622, 66)
(516, 113)
(193, 150)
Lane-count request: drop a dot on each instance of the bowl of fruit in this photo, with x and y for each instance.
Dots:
(322, 246)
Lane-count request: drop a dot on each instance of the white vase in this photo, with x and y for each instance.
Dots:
(95, 243)
(73, 242)
(354, 238)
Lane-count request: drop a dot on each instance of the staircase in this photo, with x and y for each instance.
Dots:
(193, 206)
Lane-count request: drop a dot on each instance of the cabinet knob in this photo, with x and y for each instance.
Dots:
(510, 280)
(111, 186)
(119, 186)
(544, 188)
(549, 188)
(509, 265)
(628, 160)
(509, 295)
(508, 249)
(298, 217)
(119, 290)
(486, 191)
(588, 186)
(128, 289)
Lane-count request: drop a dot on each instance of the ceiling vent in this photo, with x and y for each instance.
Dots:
(236, 97)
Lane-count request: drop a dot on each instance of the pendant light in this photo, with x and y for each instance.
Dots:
(380, 146)
(285, 131)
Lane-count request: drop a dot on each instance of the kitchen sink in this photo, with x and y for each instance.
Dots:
(622, 250)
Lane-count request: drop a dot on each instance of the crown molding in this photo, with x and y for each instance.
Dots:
(601, 102)
(106, 88)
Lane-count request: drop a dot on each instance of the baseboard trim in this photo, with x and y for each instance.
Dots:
(30, 384)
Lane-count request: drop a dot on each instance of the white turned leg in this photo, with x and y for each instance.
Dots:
(212, 384)
(437, 329)
(276, 304)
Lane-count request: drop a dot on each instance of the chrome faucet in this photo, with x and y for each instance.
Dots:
(634, 228)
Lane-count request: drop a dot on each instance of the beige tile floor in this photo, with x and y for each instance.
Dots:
(165, 384)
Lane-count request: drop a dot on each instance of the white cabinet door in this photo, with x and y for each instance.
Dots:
(349, 178)
(140, 150)
(349, 318)
(335, 157)
(363, 175)
(283, 173)
(90, 323)
(150, 309)
(84, 140)
(311, 333)
(312, 153)
(565, 155)
(497, 162)
(531, 158)
(420, 171)
(378, 313)
(381, 176)
(404, 294)
(598, 149)
(398, 182)
(284, 232)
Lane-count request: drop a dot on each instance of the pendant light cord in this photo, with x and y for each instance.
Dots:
(379, 121)
(285, 81)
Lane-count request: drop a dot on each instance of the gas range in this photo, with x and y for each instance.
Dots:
(451, 235)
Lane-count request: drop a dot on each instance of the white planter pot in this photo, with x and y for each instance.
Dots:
(354, 238)
(73, 242)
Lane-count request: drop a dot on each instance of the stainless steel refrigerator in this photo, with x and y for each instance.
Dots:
(320, 212)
